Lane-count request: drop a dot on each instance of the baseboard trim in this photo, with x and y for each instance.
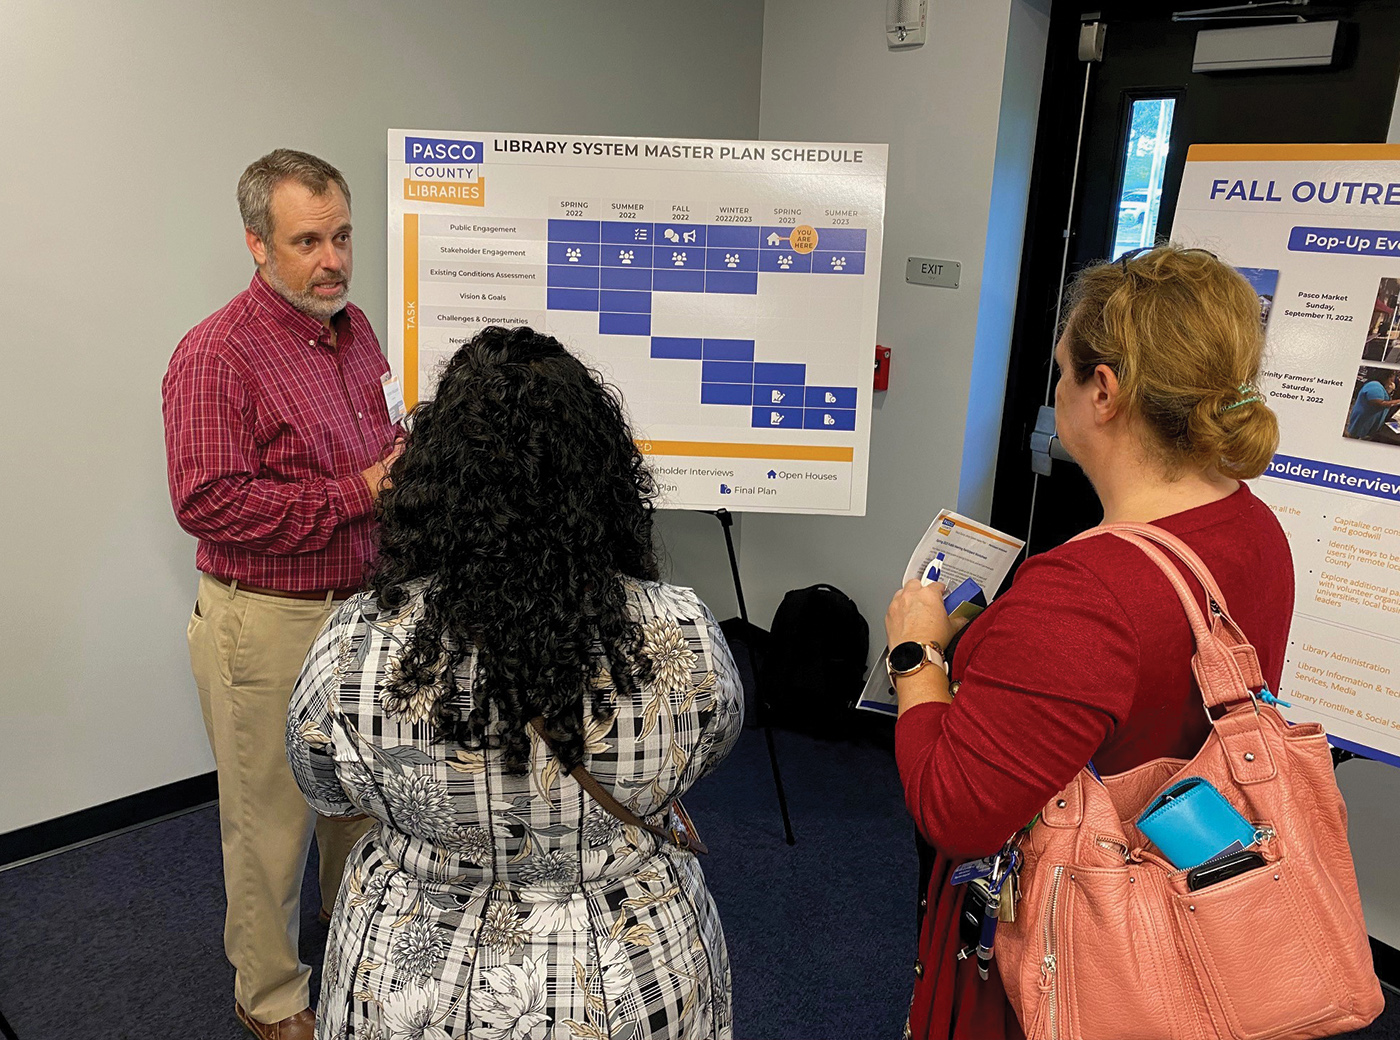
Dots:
(86, 825)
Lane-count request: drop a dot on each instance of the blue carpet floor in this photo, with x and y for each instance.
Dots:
(122, 939)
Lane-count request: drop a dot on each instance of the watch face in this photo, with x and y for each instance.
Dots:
(906, 656)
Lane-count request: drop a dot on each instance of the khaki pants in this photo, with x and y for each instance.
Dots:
(246, 651)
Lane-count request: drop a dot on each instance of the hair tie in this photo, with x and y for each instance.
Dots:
(1244, 388)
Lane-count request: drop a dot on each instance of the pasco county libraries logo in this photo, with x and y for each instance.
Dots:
(444, 169)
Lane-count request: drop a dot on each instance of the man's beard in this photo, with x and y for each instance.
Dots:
(322, 308)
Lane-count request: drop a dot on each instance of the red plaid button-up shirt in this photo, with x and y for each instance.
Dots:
(267, 429)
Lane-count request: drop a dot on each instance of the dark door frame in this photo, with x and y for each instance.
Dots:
(1052, 174)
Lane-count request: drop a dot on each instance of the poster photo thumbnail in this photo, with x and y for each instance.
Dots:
(1264, 280)
(1375, 405)
(1383, 333)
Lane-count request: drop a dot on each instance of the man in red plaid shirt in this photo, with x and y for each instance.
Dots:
(281, 420)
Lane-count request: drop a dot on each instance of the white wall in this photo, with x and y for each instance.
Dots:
(959, 117)
(125, 128)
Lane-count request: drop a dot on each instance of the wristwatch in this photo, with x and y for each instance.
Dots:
(909, 657)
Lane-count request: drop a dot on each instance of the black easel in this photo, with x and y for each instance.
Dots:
(726, 520)
(5, 1030)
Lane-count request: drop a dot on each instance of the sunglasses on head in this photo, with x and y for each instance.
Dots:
(1131, 253)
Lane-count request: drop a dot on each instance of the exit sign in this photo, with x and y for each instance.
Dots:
(923, 271)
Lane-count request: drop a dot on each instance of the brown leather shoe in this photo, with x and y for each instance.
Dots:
(301, 1026)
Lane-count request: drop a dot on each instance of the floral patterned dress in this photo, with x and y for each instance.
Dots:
(493, 906)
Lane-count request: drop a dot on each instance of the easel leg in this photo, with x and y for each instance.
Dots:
(726, 520)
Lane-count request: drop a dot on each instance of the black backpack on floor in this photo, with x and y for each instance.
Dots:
(814, 664)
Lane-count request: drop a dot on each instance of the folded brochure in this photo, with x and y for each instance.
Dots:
(953, 549)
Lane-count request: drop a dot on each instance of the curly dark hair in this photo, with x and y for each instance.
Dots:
(520, 501)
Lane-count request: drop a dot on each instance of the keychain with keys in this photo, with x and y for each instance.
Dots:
(992, 876)
(1012, 851)
(1011, 893)
(1005, 867)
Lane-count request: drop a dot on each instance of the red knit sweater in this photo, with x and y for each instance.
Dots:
(1086, 656)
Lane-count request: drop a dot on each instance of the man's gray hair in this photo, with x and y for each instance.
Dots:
(259, 180)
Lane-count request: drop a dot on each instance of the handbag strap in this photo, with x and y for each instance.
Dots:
(682, 836)
(1179, 549)
(1225, 664)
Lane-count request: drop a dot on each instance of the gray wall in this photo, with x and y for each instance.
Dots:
(125, 128)
(958, 114)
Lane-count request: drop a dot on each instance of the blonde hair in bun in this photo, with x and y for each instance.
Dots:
(1182, 332)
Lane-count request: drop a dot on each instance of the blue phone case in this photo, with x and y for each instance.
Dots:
(1191, 822)
(966, 592)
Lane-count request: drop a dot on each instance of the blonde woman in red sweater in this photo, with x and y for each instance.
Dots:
(1087, 655)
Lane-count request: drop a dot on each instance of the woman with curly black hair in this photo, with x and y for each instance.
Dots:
(514, 632)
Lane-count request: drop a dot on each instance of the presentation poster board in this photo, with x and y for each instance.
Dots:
(729, 289)
(1316, 229)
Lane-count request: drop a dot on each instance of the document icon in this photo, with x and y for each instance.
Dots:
(830, 397)
(775, 418)
(778, 396)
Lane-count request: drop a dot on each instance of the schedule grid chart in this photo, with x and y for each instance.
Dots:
(730, 296)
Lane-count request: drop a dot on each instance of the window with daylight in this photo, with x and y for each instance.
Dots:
(1144, 167)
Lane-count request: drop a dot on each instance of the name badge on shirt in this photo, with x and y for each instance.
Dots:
(393, 397)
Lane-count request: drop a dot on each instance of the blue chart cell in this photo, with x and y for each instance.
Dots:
(778, 261)
(731, 282)
(687, 258)
(829, 419)
(726, 372)
(582, 254)
(831, 397)
(774, 237)
(563, 277)
(777, 418)
(731, 259)
(626, 256)
(630, 302)
(787, 396)
(573, 299)
(680, 235)
(726, 393)
(780, 375)
(678, 347)
(728, 350)
(624, 324)
(625, 278)
(824, 262)
(574, 231)
(666, 280)
(852, 239)
(728, 236)
(627, 231)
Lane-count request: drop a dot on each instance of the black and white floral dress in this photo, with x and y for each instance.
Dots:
(492, 906)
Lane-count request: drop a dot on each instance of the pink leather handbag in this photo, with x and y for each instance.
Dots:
(1109, 943)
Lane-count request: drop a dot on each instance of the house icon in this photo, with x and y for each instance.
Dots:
(774, 238)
